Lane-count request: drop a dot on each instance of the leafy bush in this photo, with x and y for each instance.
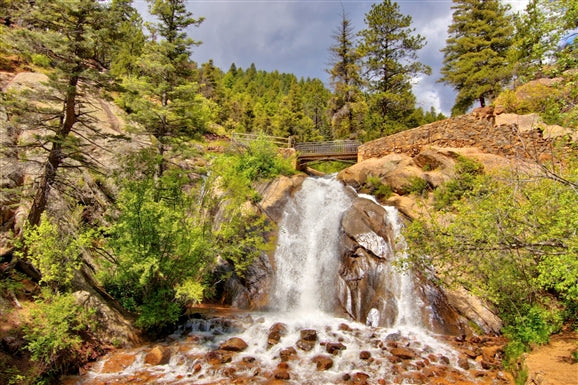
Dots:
(375, 187)
(512, 242)
(55, 253)
(54, 329)
(159, 245)
(467, 171)
(416, 186)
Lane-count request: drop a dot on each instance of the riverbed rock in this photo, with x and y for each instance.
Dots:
(234, 344)
(323, 362)
(403, 353)
(359, 378)
(158, 355)
(364, 355)
(288, 354)
(308, 334)
(334, 348)
(276, 331)
(218, 357)
(117, 362)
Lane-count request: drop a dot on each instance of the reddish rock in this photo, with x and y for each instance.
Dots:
(334, 347)
(234, 344)
(276, 331)
(308, 334)
(359, 378)
(159, 355)
(218, 357)
(281, 374)
(283, 365)
(288, 354)
(463, 363)
(305, 345)
(323, 362)
(364, 355)
(491, 353)
(344, 327)
(403, 353)
(118, 362)
(433, 371)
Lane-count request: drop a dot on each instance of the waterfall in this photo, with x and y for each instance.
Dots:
(306, 256)
(408, 303)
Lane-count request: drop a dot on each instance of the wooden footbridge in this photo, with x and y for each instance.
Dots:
(309, 152)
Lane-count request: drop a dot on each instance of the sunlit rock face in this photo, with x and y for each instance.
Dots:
(372, 290)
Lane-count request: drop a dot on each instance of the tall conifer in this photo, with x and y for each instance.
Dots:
(72, 39)
(163, 97)
(476, 53)
(389, 48)
(345, 79)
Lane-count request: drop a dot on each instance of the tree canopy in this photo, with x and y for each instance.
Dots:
(476, 52)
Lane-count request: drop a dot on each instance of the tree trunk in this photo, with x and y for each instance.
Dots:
(55, 156)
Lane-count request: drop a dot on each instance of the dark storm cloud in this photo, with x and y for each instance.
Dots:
(294, 36)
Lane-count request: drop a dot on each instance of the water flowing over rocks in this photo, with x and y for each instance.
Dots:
(367, 356)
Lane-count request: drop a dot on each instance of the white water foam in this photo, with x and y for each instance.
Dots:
(306, 256)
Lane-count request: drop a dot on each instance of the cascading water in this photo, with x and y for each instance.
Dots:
(306, 256)
(300, 340)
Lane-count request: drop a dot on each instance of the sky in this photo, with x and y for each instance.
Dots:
(294, 36)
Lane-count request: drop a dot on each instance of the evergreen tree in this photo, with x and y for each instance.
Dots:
(389, 48)
(345, 79)
(163, 97)
(128, 38)
(476, 53)
(72, 38)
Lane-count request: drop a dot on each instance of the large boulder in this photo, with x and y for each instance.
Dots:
(275, 194)
(113, 327)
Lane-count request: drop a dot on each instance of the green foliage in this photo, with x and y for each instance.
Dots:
(416, 186)
(259, 160)
(55, 253)
(374, 186)
(41, 60)
(330, 167)
(54, 329)
(476, 53)
(468, 172)
(160, 246)
(513, 242)
(389, 49)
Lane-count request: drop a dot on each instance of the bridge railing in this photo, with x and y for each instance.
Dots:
(333, 147)
(245, 139)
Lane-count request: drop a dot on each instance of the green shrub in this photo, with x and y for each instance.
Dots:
(374, 186)
(55, 253)
(41, 60)
(54, 329)
(532, 325)
(159, 244)
(416, 186)
(467, 172)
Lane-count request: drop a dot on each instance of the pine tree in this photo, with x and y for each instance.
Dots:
(345, 79)
(72, 38)
(163, 97)
(476, 53)
(389, 48)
